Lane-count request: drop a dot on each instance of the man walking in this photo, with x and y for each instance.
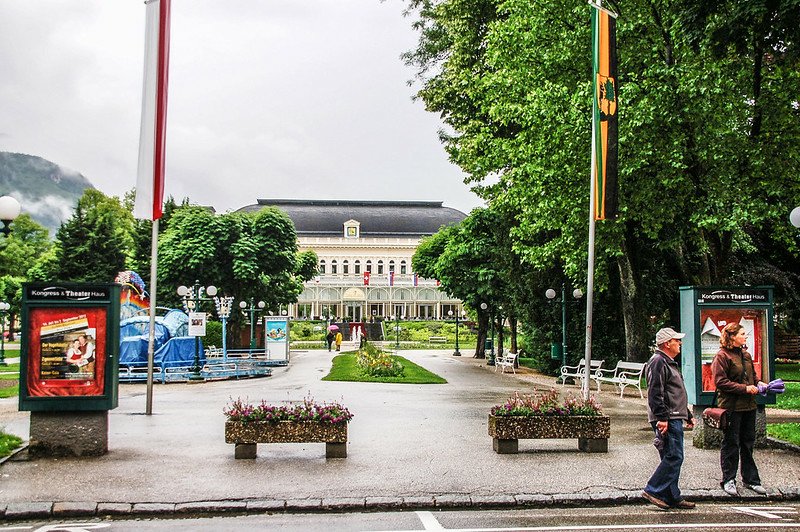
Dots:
(667, 410)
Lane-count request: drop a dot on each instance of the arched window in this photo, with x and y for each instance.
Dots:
(403, 267)
(391, 265)
(334, 267)
(380, 267)
(369, 266)
(345, 267)
(357, 267)
(322, 267)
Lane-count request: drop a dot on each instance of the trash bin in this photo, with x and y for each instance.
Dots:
(555, 351)
(487, 344)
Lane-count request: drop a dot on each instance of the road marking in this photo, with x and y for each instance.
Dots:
(651, 526)
(429, 522)
(768, 512)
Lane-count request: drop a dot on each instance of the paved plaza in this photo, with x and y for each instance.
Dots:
(409, 446)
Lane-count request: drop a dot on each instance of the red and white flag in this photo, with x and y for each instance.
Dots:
(366, 278)
(153, 132)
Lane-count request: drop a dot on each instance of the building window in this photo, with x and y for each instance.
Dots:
(391, 265)
(334, 267)
(345, 267)
(322, 267)
(380, 267)
(357, 267)
(369, 266)
(403, 267)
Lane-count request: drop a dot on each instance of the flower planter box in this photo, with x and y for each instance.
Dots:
(592, 432)
(246, 435)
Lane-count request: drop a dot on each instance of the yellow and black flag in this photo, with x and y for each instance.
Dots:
(604, 125)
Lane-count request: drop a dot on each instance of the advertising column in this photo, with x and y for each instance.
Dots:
(69, 367)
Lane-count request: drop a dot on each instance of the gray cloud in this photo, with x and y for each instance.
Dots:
(287, 98)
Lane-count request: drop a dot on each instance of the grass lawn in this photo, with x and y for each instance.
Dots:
(785, 431)
(9, 373)
(345, 369)
(789, 400)
(787, 372)
(8, 442)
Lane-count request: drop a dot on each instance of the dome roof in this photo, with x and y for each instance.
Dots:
(376, 218)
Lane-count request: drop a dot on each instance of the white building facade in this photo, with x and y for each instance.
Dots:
(364, 250)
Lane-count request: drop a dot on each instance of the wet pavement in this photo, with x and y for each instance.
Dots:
(410, 446)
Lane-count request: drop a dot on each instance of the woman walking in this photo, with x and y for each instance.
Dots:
(737, 385)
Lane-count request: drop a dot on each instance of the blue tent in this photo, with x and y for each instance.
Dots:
(179, 352)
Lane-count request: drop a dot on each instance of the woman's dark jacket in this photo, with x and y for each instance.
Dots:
(733, 371)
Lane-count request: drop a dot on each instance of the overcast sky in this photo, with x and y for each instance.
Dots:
(267, 99)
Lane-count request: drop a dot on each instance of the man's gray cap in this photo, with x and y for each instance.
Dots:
(666, 334)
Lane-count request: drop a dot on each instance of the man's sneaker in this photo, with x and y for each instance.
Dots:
(655, 500)
(758, 488)
(730, 488)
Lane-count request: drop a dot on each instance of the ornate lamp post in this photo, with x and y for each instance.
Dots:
(484, 306)
(461, 314)
(9, 211)
(396, 319)
(192, 297)
(224, 305)
(4, 308)
(551, 294)
(252, 309)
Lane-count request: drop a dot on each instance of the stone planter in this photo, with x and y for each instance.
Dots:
(592, 432)
(246, 435)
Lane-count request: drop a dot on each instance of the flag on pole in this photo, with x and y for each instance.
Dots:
(391, 277)
(366, 278)
(416, 279)
(153, 134)
(604, 124)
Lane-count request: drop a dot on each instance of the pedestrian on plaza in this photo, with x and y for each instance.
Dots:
(737, 385)
(667, 411)
(338, 340)
(329, 339)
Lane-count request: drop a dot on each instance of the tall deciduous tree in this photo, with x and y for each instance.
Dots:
(19, 250)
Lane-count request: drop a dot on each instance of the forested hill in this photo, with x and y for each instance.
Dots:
(46, 191)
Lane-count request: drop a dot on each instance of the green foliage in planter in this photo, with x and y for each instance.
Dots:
(785, 431)
(308, 410)
(345, 368)
(8, 442)
(547, 404)
(376, 363)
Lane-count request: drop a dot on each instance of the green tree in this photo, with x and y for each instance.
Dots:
(92, 246)
(27, 242)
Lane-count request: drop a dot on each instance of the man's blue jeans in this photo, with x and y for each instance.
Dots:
(664, 482)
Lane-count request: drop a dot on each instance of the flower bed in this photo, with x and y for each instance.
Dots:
(308, 422)
(544, 416)
(376, 363)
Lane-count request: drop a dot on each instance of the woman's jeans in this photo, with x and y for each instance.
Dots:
(664, 482)
(739, 440)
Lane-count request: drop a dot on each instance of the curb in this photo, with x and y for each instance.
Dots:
(63, 509)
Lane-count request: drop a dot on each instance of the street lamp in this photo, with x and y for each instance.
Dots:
(396, 319)
(9, 211)
(252, 309)
(794, 216)
(192, 297)
(484, 306)
(551, 294)
(4, 308)
(224, 305)
(461, 314)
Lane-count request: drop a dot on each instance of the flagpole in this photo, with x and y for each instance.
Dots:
(152, 333)
(590, 266)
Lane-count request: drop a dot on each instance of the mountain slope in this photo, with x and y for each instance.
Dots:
(46, 191)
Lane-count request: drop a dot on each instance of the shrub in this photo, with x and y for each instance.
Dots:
(376, 363)
(213, 334)
(547, 404)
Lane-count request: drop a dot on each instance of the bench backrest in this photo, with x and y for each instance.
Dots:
(630, 367)
(510, 358)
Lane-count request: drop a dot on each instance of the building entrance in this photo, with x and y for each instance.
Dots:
(354, 311)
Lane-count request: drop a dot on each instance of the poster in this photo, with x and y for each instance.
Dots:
(276, 330)
(712, 321)
(197, 324)
(67, 351)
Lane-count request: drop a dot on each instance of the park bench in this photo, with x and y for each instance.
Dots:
(437, 339)
(505, 361)
(213, 351)
(624, 375)
(577, 372)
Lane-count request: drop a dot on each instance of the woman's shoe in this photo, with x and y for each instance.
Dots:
(730, 488)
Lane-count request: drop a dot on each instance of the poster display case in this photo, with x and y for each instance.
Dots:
(276, 341)
(69, 347)
(705, 311)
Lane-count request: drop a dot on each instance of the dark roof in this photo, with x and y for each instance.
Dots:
(376, 218)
